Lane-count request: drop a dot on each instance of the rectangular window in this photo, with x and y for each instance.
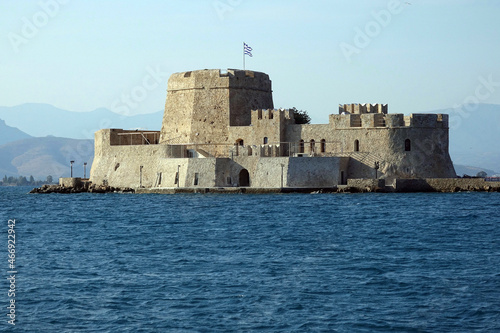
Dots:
(196, 176)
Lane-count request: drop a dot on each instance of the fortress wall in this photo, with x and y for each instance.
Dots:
(270, 124)
(313, 172)
(297, 171)
(120, 166)
(428, 153)
(248, 91)
(244, 133)
(428, 156)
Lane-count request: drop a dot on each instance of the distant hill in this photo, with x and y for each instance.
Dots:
(42, 119)
(10, 134)
(475, 136)
(472, 171)
(41, 157)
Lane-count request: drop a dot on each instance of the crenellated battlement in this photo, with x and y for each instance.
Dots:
(425, 120)
(275, 115)
(357, 108)
(217, 79)
(381, 119)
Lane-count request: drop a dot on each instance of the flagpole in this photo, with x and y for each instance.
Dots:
(243, 55)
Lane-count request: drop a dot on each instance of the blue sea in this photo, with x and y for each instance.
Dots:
(252, 263)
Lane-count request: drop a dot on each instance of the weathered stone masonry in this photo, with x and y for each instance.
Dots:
(221, 130)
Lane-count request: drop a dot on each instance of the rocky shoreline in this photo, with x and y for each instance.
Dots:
(443, 185)
(84, 188)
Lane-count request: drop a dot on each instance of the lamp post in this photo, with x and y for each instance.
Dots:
(140, 176)
(377, 166)
(282, 166)
(178, 175)
(71, 167)
(84, 170)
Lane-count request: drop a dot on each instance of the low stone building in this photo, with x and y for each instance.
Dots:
(221, 130)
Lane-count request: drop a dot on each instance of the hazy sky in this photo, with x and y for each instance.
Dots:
(416, 56)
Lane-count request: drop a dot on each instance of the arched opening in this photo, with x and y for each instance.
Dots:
(407, 145)
(356, 145)
(265, 140)
(312, 145)
(301, 146)
(322, 146)
(244, 178)
(239, 142)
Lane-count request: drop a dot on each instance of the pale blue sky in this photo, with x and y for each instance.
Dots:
(89, 54)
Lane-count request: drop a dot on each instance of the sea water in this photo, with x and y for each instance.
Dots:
(252, 263)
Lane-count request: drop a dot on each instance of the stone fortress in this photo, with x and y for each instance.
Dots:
(220, 129)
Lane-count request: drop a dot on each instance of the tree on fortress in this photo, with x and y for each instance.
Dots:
(481, 174)
(301, 116)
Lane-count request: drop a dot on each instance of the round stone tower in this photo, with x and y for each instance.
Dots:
(202, 104)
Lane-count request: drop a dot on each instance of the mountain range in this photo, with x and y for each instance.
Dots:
(10, 134)
(41, 157)
(40, 140)
(42, 119)
(474, 135)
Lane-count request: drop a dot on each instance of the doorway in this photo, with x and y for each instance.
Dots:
(244, 178)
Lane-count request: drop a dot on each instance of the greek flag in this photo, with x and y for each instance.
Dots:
(248, 49)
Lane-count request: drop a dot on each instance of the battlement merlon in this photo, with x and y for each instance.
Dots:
(216, 79)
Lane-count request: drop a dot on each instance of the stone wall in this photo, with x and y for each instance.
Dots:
(149, 166)
(70, 182)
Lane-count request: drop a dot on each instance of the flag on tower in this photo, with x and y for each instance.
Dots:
(247, 49)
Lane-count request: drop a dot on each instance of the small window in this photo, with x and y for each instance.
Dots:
(356, 145)
(301, 146)
(176, 180)
(229, 181)
(407, 145)
(239, 142)
(312, 145)
(265, 140)
(323, 145)
(196, 178)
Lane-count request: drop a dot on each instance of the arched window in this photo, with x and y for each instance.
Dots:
(239, 142)
(356, 145)
(407, 145)
(301, 146)
(312, 145)
(265, 140)
(323, 145)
